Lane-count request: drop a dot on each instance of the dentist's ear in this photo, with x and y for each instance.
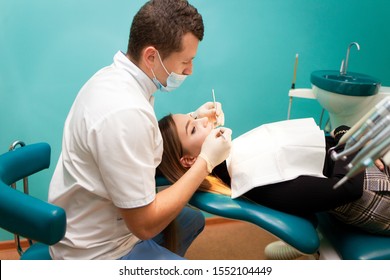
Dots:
(187, 161)
(149, 56)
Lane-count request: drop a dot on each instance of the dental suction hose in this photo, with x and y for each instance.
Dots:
(356, 142)
(375, 119)
(377, 148)
(373, 148)
(383, 103)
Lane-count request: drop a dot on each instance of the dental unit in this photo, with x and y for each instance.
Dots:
(355, 100)
(366, 157)
(346, 96)
(371, 128)
(374, 144)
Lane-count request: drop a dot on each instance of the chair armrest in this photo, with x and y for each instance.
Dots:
(36, 219)
(23, 162)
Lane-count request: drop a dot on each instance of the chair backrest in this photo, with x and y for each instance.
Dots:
(21, 213)
(296, 231)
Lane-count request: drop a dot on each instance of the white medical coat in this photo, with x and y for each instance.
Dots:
(110, 150)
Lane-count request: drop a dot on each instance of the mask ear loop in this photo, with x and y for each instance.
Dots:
(154, 75)
(159, 57)
(151, 69)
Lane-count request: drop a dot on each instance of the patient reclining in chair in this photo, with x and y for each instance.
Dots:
(275, 165)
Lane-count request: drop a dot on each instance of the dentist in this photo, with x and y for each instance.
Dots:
(105, 176)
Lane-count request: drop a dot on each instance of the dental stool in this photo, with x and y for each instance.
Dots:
(298, 232)
(341, 241)
(42, 223)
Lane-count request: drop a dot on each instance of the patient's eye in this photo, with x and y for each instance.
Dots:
(193, 130)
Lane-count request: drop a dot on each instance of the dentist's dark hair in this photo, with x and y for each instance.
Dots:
(162, 24)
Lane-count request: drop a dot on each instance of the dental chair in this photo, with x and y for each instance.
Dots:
(43, 224)
(341, 241)
(298, 232)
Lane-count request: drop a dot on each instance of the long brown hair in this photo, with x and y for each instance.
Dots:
(170, 165)
(172, 169)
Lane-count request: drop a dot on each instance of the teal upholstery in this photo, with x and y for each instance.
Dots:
(37, 251)
(351, 243)
(296, 231)
(23, 214)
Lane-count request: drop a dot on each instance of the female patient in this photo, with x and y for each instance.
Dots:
(356, 202)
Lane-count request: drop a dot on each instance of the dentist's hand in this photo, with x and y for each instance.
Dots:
(215, 115)
(216, 147)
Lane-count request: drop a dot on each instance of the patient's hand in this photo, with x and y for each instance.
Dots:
(379, 163)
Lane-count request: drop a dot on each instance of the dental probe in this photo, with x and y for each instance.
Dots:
(212, 92)
(378, 151)
(356, 127)
(221, 133)
(215, 106)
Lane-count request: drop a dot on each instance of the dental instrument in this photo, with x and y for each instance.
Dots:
(215, 107)
(378, 151)
(382, 111)
(221, 133)
(368, 120)
(373, 130)
(212, 92)
(382, 136)
(293, 85)
(385, 102)
(295, 72)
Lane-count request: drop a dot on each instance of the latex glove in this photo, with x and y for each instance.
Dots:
(216, 147)
(215, 115)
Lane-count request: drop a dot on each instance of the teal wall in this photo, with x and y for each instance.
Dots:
(48, 49)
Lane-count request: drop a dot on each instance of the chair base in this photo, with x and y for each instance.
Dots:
(340, 241)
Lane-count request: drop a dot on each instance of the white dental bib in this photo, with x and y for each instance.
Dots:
(276, 152)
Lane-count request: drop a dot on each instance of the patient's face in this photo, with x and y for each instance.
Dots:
(192, 133)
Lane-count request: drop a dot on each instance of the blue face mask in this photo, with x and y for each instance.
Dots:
(173, 81)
